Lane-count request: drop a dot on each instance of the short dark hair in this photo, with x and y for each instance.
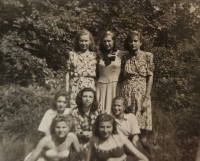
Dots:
(131, 35)
(106, 33)
(125, 103)
(78, 35)
(79, 103)
(104, 118)
(57, 95)
(62, 117)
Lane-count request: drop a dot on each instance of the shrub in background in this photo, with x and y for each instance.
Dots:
(37, 35)
(21, 110)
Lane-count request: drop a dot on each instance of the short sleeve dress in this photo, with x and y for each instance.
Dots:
(82, 69)
(107, 84)
(135, 70)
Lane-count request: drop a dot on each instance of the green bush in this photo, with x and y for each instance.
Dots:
(36, 37)
(21, 110)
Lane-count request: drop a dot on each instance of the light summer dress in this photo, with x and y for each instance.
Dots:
(107, 84)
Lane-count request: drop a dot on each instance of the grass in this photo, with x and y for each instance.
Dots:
(174, 137)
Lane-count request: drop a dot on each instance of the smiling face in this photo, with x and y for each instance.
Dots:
(61, 104)
(134, 43)
(61, 129)
(84, 42)
(87, 98)
(118, 107)
(108, 43)
(105, 129)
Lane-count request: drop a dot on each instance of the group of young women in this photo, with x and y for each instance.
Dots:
(110, 102)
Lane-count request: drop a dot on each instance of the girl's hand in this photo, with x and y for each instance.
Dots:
(144, 105)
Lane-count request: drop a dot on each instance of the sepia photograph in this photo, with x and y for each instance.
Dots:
(99, 80)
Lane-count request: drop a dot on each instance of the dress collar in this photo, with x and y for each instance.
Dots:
(125, 118)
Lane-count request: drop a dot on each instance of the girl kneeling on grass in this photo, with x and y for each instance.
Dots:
(107, 144)
(56, 147)
(59, 107)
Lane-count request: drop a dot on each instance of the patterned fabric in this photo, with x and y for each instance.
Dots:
(82, 68)
(84, 123)
(135, 70)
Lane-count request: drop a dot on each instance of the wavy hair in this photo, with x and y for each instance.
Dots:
(82, 33)
(130, 36)
(107, 33)
(57, 95)
(79, 103)
(61, 117)
(104, 118)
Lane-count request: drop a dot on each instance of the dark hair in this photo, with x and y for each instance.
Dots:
(57, 95)
(78, 35)
(131, 35)
(104, 118)
(125, 103)
(79, 103)
(61, 117)
(106, 33)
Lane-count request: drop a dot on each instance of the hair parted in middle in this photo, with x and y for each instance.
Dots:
(104, 118)
(130, 36)
(79, 103)
(62, 117)
(104, 34)
(80, 33)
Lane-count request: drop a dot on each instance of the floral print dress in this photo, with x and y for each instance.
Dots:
(135, 70)
(82, 68)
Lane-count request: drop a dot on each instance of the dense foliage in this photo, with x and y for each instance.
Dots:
(36, 37)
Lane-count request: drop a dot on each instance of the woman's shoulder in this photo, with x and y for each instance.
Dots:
(130, 115)
(92, 55)
(46, 139)
(119, 138)
(147, 53)
(72, 135)
(71, 53)
(50, 112)
(121, 52)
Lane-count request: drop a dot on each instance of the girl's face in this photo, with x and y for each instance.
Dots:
(108, 42)
(84, 42)
(61, 129)
(134, 43)
(87, 98)
(61, 104)
(118, 107)
(105, 129)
